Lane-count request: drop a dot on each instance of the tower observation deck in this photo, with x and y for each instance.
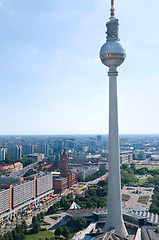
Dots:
(112, 55)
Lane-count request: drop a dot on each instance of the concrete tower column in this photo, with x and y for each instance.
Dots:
(114, 216)
(112, 55)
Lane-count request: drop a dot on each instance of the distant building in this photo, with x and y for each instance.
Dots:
(43, 148)
(58, 145)
(99, 137)
(70, 144)
(27, 149)
(14, 151)
(2, 153)
(125, 158)
(139, 155)
(154, 157)
(103, 166)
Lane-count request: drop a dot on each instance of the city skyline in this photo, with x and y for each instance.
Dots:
(51, 77)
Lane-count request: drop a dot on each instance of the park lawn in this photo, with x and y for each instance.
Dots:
(143, 199)
(149, 167)
(125, 197)
(41, 234)
(142, 181)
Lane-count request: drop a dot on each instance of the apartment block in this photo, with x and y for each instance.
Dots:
(44, 184)
(5, 197)
(29, 188)
(22, 192)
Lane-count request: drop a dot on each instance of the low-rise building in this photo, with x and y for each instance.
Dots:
(37, 156)
(59, 184)
(84, 172)
(10, 168)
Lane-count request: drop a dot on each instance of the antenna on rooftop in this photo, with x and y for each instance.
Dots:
(112, 8)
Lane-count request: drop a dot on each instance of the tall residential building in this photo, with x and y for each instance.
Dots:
(27, 149)
(2, 153)
(14, 151)
(112, 55)
(43, 148)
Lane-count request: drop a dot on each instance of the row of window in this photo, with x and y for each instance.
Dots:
(113, 54)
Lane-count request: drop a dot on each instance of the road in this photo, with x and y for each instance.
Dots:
(20, 173)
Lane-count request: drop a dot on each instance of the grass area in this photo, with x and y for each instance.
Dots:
(72, 234)
(125, 197)
(129, 188)
(43, 223)
(149, 167)
(141, 180)
(42, 235)
(143, 199)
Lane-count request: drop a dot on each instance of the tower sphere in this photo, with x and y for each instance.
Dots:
(112, 53)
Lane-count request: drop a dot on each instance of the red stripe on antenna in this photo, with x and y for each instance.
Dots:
(112, 8)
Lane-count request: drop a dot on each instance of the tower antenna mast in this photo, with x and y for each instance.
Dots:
(112, 8)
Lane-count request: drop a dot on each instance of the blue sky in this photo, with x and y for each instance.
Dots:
(51, 79)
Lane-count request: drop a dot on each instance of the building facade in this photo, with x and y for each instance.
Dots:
(29, 188)
(14, 151)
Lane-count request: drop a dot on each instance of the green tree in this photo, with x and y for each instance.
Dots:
(19, 236)
(101, 183)
(58, 231)
(42, 215)
(9, 236)
(1, 237)
(19, 228)
(125, 166)
(64, 203)
(24, 226)
(77, 224)
(66, 232)
(36, 227)
(133, 167)
(34, 219)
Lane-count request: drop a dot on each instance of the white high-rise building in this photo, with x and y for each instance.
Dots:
(2, 153)
(112, 55)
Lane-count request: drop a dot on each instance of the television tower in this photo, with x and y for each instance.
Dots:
(112, 55)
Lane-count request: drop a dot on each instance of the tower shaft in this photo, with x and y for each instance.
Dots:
(114, 216)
